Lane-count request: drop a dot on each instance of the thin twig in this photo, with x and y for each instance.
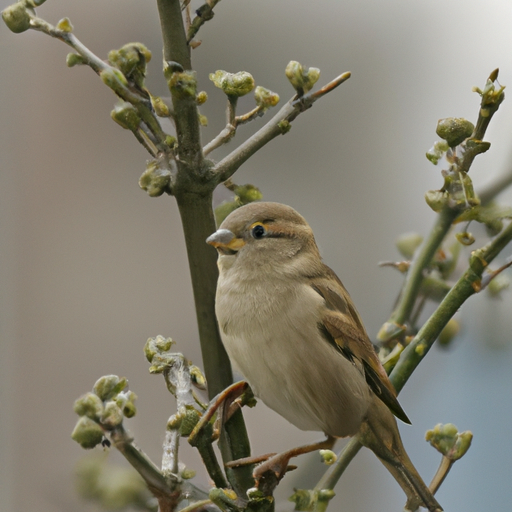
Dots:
(203, 14)
(446, 217)
(441, 473)
(140, 102)
(230, 130)
(278, 125)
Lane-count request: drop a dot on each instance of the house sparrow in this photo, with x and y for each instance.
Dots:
(291, 328)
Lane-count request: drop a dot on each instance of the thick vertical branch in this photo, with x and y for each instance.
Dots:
(193, 193)
(198, 223)
(173, 33)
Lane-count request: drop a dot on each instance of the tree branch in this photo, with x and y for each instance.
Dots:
(278, 125)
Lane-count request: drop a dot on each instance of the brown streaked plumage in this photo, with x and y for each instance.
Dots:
(291, 328)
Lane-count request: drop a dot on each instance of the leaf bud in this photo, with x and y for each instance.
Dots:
(155, 180)
(328, 457)
(233, 84)
(112, 416)
(189, 421)
(436, 152)
(126, 402)
(89, 405)
(17, 17)
(448, 441)
(265, 98)
(302, 78)
(131, 60)
(73, 59)
(454, 130)
(157, 345)
(161, 108)
(114, 79)
(109, 386)
(183, 85)
(65, 25)
(436, 199)
(126, 115)
(187, 473)
(201, 97)
(87, 433)
(198, 379)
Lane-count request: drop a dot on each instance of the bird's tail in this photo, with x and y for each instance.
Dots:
(380, 433)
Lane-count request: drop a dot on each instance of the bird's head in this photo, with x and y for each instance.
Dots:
(270, 235)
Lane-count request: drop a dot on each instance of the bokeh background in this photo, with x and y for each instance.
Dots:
(91, 266)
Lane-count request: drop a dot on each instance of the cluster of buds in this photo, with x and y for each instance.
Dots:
(102, 410)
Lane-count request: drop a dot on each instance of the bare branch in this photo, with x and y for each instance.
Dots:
(278, 125)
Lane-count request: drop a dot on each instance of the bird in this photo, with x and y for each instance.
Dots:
(292, 330)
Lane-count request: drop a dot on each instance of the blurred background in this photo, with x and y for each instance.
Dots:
(91, 266)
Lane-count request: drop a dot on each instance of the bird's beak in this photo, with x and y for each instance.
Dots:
(225, 241)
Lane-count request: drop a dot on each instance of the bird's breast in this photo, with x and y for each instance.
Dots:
(270, 331)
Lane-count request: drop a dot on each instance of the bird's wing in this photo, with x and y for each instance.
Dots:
(342, 326)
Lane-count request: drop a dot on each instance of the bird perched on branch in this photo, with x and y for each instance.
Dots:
(291, 328)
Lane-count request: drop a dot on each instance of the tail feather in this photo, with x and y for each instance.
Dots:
(380, 434)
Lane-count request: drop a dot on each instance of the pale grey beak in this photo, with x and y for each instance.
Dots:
(224, 239)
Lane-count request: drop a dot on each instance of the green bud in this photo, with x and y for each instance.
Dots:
(87, 433)
(436, 152)
(265, 98)
(126, 115)
(155, 180)
(233, 84)
(187, 473)
(126, 402)
(285, 126)
(189, 421)
(465, 238)
(109, 386)
(65, 25)
(73, 59)
(131, 60)
(114, 79)
(112, 416)
(248, 193)
(197, 377)
(89, 405)
(302, 78)
(183, 85)
(161, 108)
(17, 17)
(454, 130)
(408, 243)
(436, 199)
(450, 331)
(328, 457)
(203, 120)
(201, 97)
(448, 441)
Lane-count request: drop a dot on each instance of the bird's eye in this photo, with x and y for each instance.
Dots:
(258, 231)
